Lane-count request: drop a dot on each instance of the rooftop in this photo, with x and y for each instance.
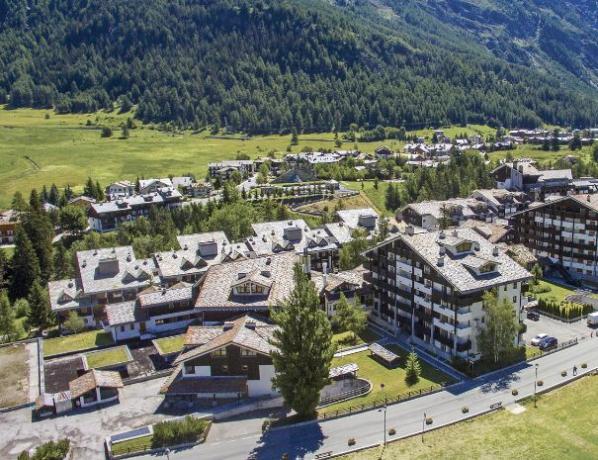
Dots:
(216, 288)
(356, 218)
(94, 379)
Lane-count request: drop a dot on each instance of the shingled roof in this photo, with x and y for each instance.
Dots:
(94, 379)
(246, 331)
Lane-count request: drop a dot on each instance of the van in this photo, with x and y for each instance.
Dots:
(593, 319)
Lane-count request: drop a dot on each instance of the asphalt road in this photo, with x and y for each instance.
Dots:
(307, 440)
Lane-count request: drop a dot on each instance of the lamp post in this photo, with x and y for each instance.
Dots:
(423, 427)
(535, 383)
(385, 405)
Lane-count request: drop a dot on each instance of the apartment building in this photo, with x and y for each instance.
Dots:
(432, 215)
(562, 233)
(8, 224)
(430, 286)
(523, 175)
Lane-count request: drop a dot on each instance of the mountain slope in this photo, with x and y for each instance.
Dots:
(267, 66)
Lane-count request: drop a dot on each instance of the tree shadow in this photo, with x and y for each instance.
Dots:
(295, 441)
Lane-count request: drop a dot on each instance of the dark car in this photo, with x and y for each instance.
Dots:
(533, 315)
(548, 343)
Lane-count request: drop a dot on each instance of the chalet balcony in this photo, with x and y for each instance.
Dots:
(404, 279)
(463, 330)
(464, 314)
(423, 288)
(422, 301)
(444, 310)
(404, 267)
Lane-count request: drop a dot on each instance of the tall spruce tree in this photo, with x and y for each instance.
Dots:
(304, 347)
(413, 368)
(350, 317)
(40, 230)
(40, 314)
(25, 266)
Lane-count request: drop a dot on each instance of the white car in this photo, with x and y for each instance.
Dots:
(537, 340)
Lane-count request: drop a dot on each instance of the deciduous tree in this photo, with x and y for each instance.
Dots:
(496, 339)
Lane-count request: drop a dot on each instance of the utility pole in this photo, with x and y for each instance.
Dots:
(423, 427)
(535, 384)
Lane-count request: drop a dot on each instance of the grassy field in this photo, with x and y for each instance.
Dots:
(108, 357)
(167, 345)
(375, 196)
(541, 156)
(352, 202)
(562, 426)
(393, 379)
(14, 375)
(61, 149)
(77, 342)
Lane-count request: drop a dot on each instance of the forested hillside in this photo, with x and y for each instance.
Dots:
(268, 66)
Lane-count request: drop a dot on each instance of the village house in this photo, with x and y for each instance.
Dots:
(430, 285)
(82, 201)
(8, 224)
(154, 185)
(120, 189)
(502, 202)
(224, 169)
(226, 362)
(432, 215)
(109, 215)
(522, 175)
(350, 283)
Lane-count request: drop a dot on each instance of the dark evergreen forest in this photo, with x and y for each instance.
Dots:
(262, 66)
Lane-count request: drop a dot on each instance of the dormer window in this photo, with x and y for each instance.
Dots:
(465, 246)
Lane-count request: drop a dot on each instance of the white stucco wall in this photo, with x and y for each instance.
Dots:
(263, 386)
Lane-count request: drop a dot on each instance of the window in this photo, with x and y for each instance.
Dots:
(245, 368)
(505, 288)
(122, 329)
(514, 299)
(246, 352)
(219, 353)
(514, 285)
(189, 369)
(224, 368)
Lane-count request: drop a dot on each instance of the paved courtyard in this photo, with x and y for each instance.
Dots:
(562, 331)
(86, 429)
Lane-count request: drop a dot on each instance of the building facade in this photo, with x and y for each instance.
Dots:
(430, 285)
(562, 233)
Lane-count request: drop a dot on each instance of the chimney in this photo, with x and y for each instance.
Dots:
(440, 261)
(441, 235)
(409, 230)
(442, 250)
(306, 262)
(495, 251)
(589, 198)
(455, 233)
(325, 274)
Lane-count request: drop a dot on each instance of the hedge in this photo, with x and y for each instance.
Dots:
(567, 310)
(169, 433)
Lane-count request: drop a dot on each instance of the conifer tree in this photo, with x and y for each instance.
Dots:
(350, 317)
(412, 368)
(40, 314)
(304, 347)
(25, 266)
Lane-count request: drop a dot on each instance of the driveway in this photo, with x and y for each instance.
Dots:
(86, 429)
(562, 331)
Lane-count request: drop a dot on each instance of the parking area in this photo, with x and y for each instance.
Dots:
(561, 330)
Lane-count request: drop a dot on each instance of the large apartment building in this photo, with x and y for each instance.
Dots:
(430, 285)
(562, 233)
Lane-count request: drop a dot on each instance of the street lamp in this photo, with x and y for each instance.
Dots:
(535, 384)
(423, 426)
(385, 405)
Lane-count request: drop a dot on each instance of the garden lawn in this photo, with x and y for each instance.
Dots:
(563, 426)
(108, 357)
(393, 379)
(556, 291)
(541, 156)
(133, 445)
(77, 342)
(167, 345)
(344, 339)
(375, 196)
(351, 202)
(14, 375)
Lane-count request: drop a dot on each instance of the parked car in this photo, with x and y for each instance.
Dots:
(548, 343)
(533, 315)
(593, 319)
(537, 340)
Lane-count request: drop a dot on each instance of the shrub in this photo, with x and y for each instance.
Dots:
(514, 392)
(48, 451)
(540, 383)
(563, 373)
(266, 425)
(584, 365)
(174, 432)
(106, 132)
(465, 409)
(429, 420)
(392, 432)
(351, 441)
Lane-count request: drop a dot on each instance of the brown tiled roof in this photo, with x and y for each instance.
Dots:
(335, 280)
(94, 379)
(199, 335)
(216, 289)
(247, 332)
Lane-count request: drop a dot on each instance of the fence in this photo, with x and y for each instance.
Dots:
(381, 403)
(361, 387)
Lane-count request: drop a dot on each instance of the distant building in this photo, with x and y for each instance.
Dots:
(432, 215)
(224, 169)
(154, 185)
(8, 224)
(120, 189)
(522, 175)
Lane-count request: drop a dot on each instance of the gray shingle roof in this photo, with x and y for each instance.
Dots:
(454, 268)
(112, 269)
(216, 288)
